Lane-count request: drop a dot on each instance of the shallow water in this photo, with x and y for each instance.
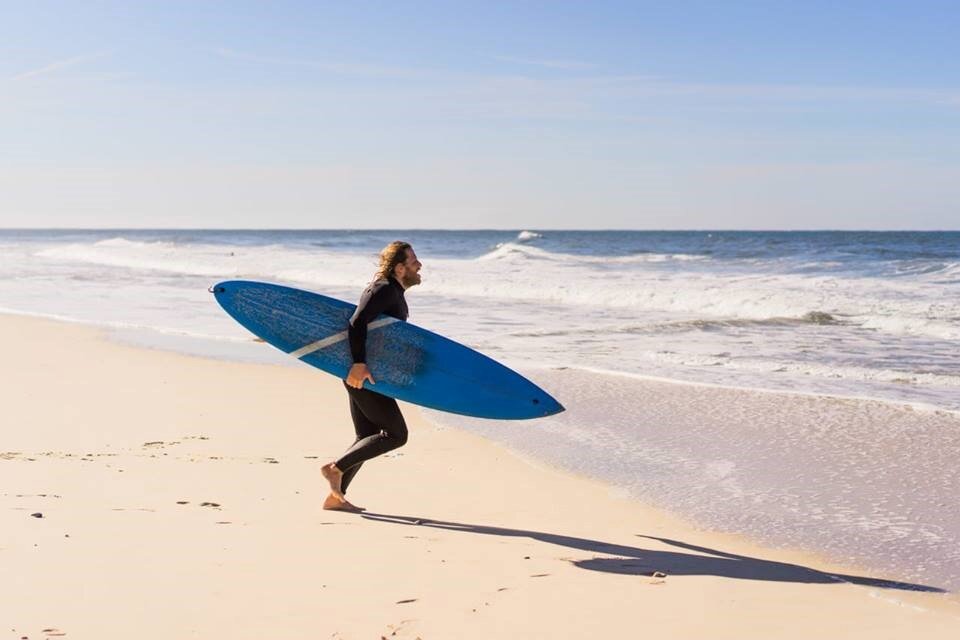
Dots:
(868, 483)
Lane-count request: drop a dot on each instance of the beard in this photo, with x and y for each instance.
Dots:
(410, 279)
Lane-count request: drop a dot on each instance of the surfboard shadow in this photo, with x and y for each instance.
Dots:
(639, 561)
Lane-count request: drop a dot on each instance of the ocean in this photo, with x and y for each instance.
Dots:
(756, 327)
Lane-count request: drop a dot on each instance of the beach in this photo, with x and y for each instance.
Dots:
(668, 296)
(157, 495)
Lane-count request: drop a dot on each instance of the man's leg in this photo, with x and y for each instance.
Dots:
(384, 415)
(364, 428)
(339, 477)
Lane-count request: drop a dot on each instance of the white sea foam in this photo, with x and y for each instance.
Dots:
(732, 384)
(642, 283)
(219, 261)
(153, 256)
(123, 243)
(888, 306)
(819, 370)
(511, 251)
(914, 325)
(950, 270)
(508, 250)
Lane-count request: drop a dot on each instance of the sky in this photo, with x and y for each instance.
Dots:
(552, 115)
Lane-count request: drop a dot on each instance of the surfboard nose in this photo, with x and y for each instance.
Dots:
(220, 288)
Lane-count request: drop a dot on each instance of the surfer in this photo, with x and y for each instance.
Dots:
(377, 420)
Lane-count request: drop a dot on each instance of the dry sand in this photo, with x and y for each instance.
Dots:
(180, 497)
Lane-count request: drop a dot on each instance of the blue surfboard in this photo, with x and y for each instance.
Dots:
(407, 362)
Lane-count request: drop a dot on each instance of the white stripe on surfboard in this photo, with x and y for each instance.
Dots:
(335, 338)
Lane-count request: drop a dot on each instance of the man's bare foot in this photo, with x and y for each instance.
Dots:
(333, 476)
(334, 503)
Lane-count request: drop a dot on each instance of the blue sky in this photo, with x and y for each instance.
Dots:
(664, 115)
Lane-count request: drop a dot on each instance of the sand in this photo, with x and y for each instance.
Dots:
(149, 494)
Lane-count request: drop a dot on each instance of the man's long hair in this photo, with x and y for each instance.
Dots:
(393, 254)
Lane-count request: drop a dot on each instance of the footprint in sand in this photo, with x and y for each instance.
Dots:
(396, 628)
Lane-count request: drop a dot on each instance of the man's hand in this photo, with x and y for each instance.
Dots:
(358, 373)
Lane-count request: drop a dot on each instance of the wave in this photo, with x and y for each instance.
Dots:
(151, 256)
(706, 298)
(526, 236)
(823, 371)
(949, 274)
(810, 317)
(920, 268)
(132, 244)
(511, 251)
(913, 325)
(704, 295)
(683, 326)
(921, 406)
(269, 262)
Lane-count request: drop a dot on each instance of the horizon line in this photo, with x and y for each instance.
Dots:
(486, 229)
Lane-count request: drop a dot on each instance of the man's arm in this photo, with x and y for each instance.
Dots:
(372, 303)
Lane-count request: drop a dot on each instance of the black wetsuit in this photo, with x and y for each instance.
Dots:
(377, 420)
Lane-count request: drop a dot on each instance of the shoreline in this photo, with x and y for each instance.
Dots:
(112, 333)
(106, 441)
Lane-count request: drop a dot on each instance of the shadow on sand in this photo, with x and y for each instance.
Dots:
(644, 562)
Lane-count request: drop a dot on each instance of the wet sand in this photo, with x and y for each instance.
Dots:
(864, 482)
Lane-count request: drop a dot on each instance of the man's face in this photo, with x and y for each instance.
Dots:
(408, 271)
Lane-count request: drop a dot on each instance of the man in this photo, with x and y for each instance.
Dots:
(377, 420)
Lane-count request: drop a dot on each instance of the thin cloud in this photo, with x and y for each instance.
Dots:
(802, 94)
(638, 86)
(340, 68)
(566, 65)
(53, 67)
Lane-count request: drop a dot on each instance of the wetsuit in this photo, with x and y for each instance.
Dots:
(377, 420)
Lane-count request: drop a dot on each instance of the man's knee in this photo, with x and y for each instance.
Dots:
(398, 430)
(394, 436)
(397, 435)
